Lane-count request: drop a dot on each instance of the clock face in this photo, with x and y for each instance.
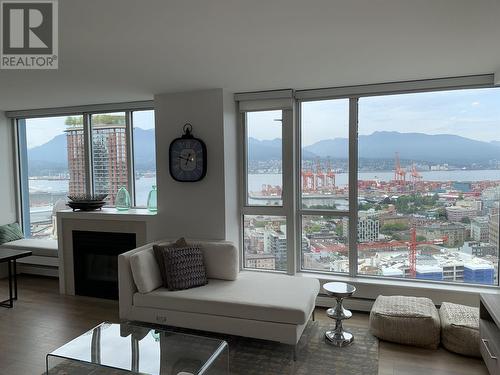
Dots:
(188, 161)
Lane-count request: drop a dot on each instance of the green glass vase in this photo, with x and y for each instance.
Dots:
(122, 201)
(153, 199)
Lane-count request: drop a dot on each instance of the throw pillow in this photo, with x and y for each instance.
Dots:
(10, 232)
(158, 251)
(184, 267)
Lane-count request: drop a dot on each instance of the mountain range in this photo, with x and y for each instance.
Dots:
(52, 157)
(442, 148)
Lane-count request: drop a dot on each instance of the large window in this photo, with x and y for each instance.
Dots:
(398, 185)
(429, 182)
(144, 155)
(265, 242)
(82, 154)
(109, 154)
(54, 166)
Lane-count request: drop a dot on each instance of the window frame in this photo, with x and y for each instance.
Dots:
(19, 118)
(353, 93)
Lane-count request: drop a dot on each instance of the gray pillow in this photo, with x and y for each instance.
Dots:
(10, 232)
(184, 267)
(158, 251)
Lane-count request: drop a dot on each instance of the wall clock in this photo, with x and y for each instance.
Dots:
(188, 157)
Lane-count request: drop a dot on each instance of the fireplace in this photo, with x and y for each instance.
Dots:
(95, 256)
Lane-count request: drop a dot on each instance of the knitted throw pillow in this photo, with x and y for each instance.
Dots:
(184, 267)
(158, 251)
(10, 232)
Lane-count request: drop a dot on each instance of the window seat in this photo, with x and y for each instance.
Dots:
(44, 260)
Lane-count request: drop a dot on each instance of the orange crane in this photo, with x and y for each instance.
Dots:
(399, 173)
(308, 181)
(415, 176)
(320, 176)
(411, 245)
(330, 176)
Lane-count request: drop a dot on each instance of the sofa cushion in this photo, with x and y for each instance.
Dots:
(158, 253)
(290, 300)
(184, 267)
(10, 232)
(145, 271)
(221, 260)
(43, 248)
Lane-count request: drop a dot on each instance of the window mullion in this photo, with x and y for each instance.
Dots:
(353, 186)
(87, 144)
(129, 144)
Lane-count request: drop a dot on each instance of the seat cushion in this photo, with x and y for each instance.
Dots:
(43, 248)
(406, 320)
(145, 271)
(254, 295)
(460, 329)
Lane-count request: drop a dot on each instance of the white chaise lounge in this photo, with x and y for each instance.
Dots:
(267, 306)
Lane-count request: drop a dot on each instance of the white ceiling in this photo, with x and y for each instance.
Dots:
(123, 50)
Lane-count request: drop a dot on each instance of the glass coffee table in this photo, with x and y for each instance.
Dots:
(131, 349)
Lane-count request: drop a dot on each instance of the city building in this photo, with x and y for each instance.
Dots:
(479, 227)
(275, 244)
(494, 229)
(462, 210)
(260, 261)
(109, 155)
(368, 226)
(453, 232)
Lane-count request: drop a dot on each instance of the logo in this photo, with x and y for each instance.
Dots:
(29, 34)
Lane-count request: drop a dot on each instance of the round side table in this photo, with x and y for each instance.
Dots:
(338, 336)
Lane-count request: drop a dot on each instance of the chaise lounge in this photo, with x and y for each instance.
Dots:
(266, 306)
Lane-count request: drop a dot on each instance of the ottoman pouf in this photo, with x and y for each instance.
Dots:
(460, 329)
(406, 320)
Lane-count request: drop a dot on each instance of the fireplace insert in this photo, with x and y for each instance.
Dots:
(95, 261)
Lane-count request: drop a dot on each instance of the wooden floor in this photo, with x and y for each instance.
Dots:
(42, 320)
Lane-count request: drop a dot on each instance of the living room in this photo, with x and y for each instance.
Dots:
(236, 187)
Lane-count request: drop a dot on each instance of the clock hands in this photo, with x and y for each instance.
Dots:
(187, 159)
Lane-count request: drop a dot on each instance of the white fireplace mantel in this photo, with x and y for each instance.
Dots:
(138, 221)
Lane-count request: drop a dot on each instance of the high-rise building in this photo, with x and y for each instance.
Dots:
(479, 228)
(368, 226)
(109, 155)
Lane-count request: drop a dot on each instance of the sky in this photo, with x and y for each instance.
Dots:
(41, 130)
(473, 113)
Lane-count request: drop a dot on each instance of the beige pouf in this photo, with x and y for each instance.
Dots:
(460, 329)
(406, 320)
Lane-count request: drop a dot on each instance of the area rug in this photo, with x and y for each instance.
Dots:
(258, 357)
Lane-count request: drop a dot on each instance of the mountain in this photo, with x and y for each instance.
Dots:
(52, 157)
(440, 148)
(49, 158)
(268, 150)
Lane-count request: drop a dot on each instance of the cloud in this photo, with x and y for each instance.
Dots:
(475, 104)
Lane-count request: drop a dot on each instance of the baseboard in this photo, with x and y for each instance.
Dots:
(37, 270)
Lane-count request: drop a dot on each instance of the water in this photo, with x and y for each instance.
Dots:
(255, 181)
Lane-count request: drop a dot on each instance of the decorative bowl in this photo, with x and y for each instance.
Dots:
(87, 202)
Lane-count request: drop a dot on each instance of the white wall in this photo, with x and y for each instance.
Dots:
(8, 212)
(206, 209)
